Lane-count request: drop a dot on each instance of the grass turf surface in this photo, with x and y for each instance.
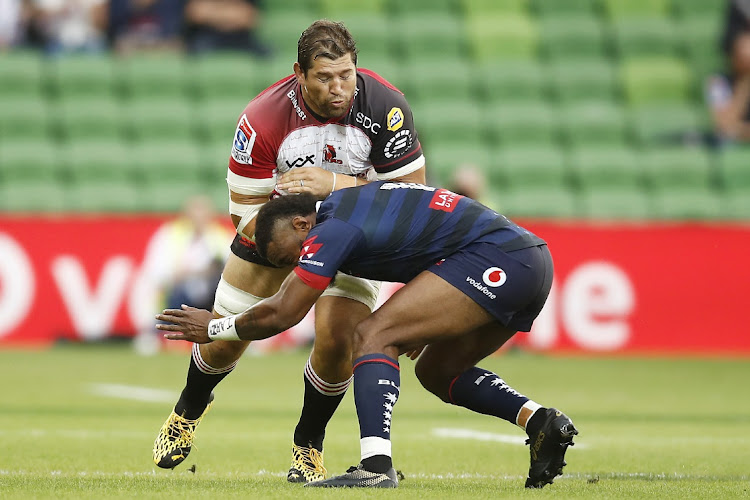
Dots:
(71, 427)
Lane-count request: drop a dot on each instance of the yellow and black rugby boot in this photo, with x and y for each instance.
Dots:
(175, 439)
(307, 465)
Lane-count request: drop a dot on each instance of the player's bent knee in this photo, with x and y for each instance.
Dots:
(433, 380)
(333, 347)
(366, 339)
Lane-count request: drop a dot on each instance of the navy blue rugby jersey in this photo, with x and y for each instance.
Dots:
(392, 231)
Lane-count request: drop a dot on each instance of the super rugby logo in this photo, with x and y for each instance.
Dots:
(244, 139)
(309, 248)
(494, 277)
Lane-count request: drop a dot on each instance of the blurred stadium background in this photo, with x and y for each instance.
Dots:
(595, 107)
(586, 119)
(588, 124)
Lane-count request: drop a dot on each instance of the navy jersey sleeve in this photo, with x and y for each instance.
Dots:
(327, 247)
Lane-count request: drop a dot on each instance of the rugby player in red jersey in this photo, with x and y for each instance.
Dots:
(328, 126)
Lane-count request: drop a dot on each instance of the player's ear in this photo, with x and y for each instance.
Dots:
(299, 73)
(301, 223)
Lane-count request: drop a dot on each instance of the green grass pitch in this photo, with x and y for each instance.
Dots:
(79, 422)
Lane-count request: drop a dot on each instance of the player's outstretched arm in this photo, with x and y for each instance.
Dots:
(186, 323)
(265, 319)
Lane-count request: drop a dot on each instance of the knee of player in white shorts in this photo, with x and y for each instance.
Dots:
(333, 343)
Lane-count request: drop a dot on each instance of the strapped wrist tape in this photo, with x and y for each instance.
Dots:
(223, 329)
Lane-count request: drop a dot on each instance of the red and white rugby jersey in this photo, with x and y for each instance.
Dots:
(375, 139)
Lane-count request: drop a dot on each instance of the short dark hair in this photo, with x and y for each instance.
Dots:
(283, 207)
(325, 38)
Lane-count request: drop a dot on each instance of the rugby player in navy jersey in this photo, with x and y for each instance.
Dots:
(493, 274)
(328, 126)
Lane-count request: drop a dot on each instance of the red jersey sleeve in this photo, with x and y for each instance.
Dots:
(312, 280)
(251, 153)
(259, 129)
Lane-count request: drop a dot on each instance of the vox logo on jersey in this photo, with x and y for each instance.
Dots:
(301, 162)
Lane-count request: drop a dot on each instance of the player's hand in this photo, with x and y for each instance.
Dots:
(313, 180)
(187, 323)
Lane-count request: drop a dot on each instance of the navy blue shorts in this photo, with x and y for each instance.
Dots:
(512, 286)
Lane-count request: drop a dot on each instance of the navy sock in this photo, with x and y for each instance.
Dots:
(376, 388)
(484, 392)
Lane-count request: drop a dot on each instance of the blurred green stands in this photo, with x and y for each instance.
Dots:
(572, 108)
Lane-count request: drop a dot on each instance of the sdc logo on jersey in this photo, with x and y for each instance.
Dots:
(395, 119)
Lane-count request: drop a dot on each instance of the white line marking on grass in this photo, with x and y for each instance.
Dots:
(74, 433)
(453, 433)
(652, 476)
(448, 432)
(133, 392)
(83, 473)
(463, 475)
(264, 472)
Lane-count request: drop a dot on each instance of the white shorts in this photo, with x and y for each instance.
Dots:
(231, 300)
(351, 287)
